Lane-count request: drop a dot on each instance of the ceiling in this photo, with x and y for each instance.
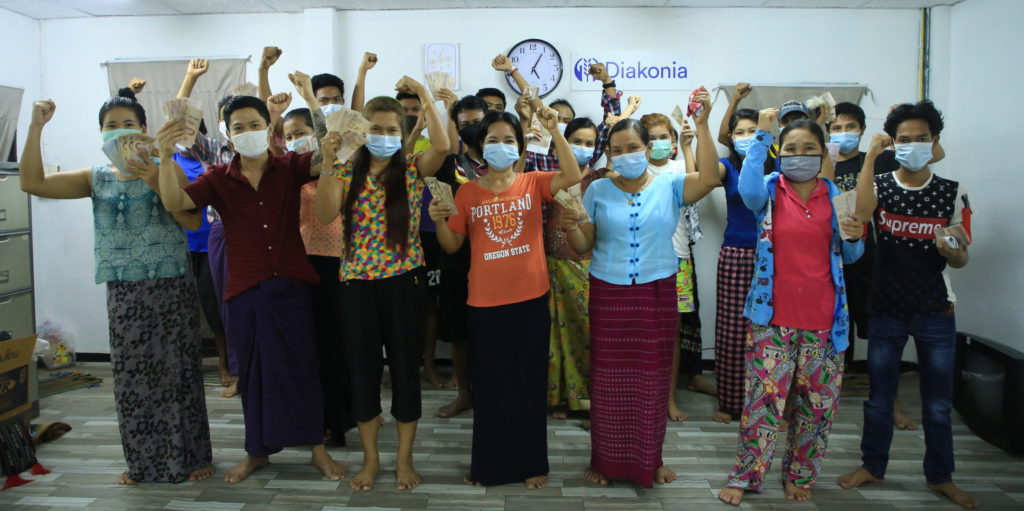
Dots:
(51, 9)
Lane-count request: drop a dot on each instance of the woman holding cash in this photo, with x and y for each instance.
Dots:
(377, 191)
(508, 318)
(152, 305)
(633, 300)
(797, 308)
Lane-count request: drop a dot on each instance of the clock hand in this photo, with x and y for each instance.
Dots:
(534, 69)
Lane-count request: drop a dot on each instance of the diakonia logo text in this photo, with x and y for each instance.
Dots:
(630, 70)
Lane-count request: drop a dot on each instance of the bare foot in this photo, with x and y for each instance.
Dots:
(856, 478)
(675, 414)
(459, 405)
(596, 477)
(954, 494)
(125, 480)
(561, 413)
(731, 496)
(664, 475)
(230, 391)
(201, 474)
(245, 467)
(366, 477)
(724, 418)
(469, 481)
(902, 420)
(225, 376)
(430, 374)
(407, 476)
(795, 493)
(536, 483)
(699, 383)
(452, 384)
(331, 469)
(381, 420)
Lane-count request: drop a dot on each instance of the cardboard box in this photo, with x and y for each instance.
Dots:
(15, 357)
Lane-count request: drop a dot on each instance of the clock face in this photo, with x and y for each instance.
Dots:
(539, 63)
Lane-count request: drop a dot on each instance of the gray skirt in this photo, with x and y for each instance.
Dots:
(158, 378)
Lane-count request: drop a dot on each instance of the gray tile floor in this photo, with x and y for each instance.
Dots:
(87, 461)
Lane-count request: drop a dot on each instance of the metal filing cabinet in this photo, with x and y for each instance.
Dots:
(17, 305)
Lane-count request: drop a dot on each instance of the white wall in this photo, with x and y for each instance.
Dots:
(979, 100)
(20, 63)
(775, 46)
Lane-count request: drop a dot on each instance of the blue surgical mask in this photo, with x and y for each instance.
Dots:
(847, 141)
(501, 157)
(742, 145)
(111, 134)
(561, 127)
(800, 168)
(914, 156)
(327, 109)
(583, 154)
(303, 145)
(660, 149)
(630, 165)
(383, 146)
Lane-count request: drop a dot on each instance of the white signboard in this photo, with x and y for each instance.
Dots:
(633, 70)
(442, 57)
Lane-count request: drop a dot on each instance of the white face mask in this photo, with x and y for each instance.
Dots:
(251, 144)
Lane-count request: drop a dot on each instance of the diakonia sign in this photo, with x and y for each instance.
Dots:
(633, 70)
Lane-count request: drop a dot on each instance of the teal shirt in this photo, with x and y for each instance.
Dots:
(136, 238)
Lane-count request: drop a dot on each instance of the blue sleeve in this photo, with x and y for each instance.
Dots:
(852, 251)
(590, 201)
(678, 183)
(751, 183)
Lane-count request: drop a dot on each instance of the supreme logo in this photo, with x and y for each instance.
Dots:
(916, 227)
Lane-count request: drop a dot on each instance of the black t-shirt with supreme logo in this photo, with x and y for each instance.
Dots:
(909, 279)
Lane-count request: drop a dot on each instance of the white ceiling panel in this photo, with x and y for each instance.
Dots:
(49, 9)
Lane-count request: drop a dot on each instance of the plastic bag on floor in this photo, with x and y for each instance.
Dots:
(59, 348)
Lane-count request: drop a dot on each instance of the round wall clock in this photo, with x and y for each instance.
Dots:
(539, 63)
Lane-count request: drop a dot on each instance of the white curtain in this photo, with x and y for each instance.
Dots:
(773, 96)
(10, 106)
(163, 79)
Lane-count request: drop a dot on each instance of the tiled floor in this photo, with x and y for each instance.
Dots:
(87, 461)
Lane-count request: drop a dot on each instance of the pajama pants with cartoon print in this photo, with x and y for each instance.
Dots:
(786, 364)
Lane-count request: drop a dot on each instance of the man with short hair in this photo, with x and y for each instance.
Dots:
(493, 98)
(911, 294)
(329, 90)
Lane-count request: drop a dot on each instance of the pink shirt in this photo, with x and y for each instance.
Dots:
(803, 295)
(320, 239)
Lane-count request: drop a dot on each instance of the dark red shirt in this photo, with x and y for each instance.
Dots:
(261, 226)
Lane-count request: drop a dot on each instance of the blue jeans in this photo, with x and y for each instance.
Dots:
(935, 339)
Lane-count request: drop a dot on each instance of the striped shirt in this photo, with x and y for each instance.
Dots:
(261, 226)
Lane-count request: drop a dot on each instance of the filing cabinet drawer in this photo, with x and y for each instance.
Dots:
(15, 262)
(16, 315)
(13, 204)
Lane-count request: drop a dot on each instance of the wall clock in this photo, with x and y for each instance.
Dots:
(539, 63)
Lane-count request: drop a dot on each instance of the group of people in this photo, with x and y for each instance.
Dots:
(306, 267)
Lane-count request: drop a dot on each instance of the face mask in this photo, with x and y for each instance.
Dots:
(561, 127)
(800, 169)
(410, 123)
(223, 127)
(327, 109)
(501, 157)
(112, 134)
(661, 149)
(303, 145)
(251, 144)
(583, 154)
(630, 165)
(847, 141)
(742, 145)
(914, 156)
(383, 146)
(472, 134)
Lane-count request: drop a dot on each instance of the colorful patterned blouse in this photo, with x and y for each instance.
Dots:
(370, 257)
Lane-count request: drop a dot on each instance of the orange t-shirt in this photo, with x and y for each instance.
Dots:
(320, 239)
(506, 239)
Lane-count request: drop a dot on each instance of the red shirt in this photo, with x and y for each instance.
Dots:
(261, 226)
(804, 295)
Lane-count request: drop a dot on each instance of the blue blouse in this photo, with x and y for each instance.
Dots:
(136, 238)
(633, 242)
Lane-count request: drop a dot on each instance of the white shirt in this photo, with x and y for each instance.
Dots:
(681, 238)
